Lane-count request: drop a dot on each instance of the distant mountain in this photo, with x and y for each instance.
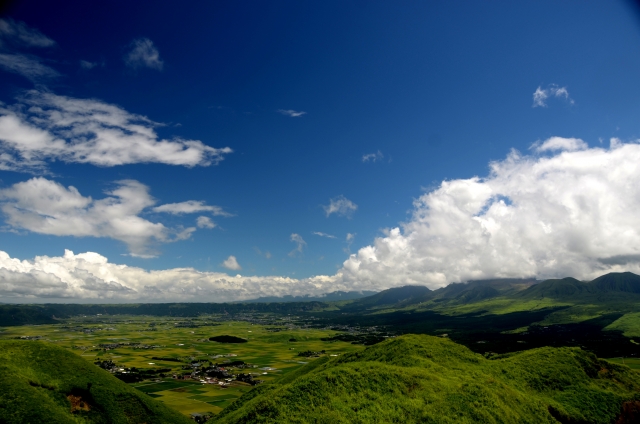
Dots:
(25, 314)
(457, 293)
(417, 379)
(614, 283)
(391, 296)
(627, 282)
(328, 297)
(556, 288)
(43, 383)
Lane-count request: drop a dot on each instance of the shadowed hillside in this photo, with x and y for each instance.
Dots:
(42, 383)
(416, 379)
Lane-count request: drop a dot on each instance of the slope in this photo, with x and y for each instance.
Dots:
(417, 379)
(44, 383)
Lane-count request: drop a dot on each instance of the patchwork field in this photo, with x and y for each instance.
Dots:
(161, 347)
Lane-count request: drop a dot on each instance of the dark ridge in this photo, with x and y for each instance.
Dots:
(627, 282)
(556, 288)
(391, 296)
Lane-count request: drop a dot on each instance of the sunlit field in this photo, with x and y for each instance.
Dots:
(270, 351)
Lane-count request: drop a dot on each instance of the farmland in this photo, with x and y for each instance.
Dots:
(157, 348)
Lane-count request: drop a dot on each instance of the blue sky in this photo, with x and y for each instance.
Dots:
(369, 105)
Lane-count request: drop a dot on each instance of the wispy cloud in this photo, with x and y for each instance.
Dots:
(27, 66)
(300, 244)
(559, 144)
(85, 64)
(231, 263)
(291, 113)
(43, 206)
(266, 253)
(19, 34)
(541, 96)
(341, 206)
(349, 240)
(143, 54)
(191, 206)
(44, 127)
(321, 234)
(205, 222)
(373, 157)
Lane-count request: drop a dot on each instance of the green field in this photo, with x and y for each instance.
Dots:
(268, 346)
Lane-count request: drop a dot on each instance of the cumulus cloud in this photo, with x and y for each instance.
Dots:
(43, 206)
(341, 206)
(191, 206)
(321, 234)
(143, 54)
(43, 126)
(291, 113)
(19, 34)
(559, 143)
(568, 213)
(231, 263)
(541, 95)
(205, 222)
(571, 214)
(373, 157)
(300, 244)
(91, 276)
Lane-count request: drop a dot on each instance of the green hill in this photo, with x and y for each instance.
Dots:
(422, 379)
(392, 296)
(42, 383)
(627, 282)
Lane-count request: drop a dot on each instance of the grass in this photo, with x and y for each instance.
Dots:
(264, 348)
(415, 379)
(40, 380)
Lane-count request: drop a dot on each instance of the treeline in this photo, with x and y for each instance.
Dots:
(48, 313)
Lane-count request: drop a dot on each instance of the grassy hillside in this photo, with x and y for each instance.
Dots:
(416, 379)
(44, 383)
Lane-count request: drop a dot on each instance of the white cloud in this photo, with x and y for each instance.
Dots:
(205, 222)
(231, 263)
(300, 244)
(340, 206)
(18, 33)
(349, 241)
(373, 157)
(541, 95)
(321, 234)
(27, 66)
(191, 206)
(44, 126)
(291, 113)
(559, 143)
(571, 214)
(91, 276)
(143, 54)
(85, 64)
(46, 207)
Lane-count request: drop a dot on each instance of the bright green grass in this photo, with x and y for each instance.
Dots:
(263, 349)
(633, 363)
(36, 379)
(629, 324)
(424, 379)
